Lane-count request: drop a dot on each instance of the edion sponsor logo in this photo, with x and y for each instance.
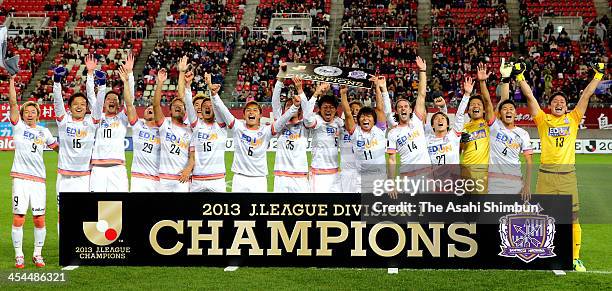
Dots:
(107, 229)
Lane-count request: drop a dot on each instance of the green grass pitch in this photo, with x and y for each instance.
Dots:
(596, 252)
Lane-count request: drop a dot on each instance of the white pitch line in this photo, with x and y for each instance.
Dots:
(69, 268)
(230, 268)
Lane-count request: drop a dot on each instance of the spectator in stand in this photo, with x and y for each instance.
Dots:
(169, 19)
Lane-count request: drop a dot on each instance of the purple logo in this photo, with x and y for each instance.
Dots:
(527, 236)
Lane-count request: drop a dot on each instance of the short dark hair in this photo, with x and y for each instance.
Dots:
(431, 121)
(327, 99)
(355, 102)
(251, 103)
(116, 93)
(507, 101)
(366, 111)
(555, 94)
(77, 95)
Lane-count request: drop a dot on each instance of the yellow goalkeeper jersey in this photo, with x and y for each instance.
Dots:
(475, 142)
(558, 137)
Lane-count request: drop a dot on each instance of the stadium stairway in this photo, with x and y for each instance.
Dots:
(335, 21)
(514, 21)
(424, 18)
(229, 82)
(55, 48)
(148, 44)
(603, 8)
(42, 70)
(160, 22)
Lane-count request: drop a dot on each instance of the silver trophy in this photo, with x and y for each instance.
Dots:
(12, 64)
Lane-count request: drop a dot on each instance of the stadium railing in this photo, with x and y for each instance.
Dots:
(37, 31)
(200, 33)
(264, 32)
(381, 33)
(110, 32)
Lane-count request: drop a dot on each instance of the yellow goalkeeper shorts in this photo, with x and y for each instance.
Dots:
(559, 183)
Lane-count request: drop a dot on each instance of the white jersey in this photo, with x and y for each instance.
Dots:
(30, 143)
(250, 149)
(410, 142)
(369, 149)
(76, 144)
(208, 143)
(506, 146)
(147, 146)
(325, 143)
(174, 153)
(444, 150)
(347, 157)
(291, 159)
(109, 148)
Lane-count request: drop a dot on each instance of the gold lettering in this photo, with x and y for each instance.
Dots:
(326, 239)
(239, 239)
(196, 237)
(473, 245)
(401, 239)
(299, 230)
(178, 226)
(418, 233)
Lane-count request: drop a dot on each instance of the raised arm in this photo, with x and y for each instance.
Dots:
(130, 110)
(380, 106)
(583, 102)
(224, 113)
(419, 106)
(58, 99)
(483, 75)
(505, 70)
(192, 115)
(280, 122)
(518, 71)
(310, 120)
(182, 68)
(468, 87)
(158, 114)
(13, 101)
(129, 68)
(349, 123)
(277, 109)
(95, 103)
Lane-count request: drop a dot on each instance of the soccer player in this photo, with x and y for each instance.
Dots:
(507, 143)
(558, 131)
(325, 130)
(207, 148)
(348, 167)
(291, 161)
(251, 141)
(28, 174)
(443, 143)
(368, 138)
(108, 173)
(475, 139)
(408, 139)
(76, 132)
(175, 137)
(145, 162)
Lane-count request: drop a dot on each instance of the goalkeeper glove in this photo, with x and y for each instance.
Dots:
(518, 70)
(600, 70)
(506, 70)
(58, 74)
(100, 78)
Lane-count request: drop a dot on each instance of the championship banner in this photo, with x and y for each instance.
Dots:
(331, 74)
(315, 230)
